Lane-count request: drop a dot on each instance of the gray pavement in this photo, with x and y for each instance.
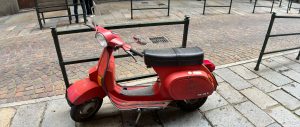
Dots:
(232, 105)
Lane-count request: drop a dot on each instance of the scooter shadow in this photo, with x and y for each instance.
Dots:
(109, 116)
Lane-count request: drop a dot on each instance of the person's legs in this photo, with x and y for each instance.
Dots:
(92, 4)
(88, 7)
(75, 2)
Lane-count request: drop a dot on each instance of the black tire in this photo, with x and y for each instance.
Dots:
(191, 105)
(77, 113)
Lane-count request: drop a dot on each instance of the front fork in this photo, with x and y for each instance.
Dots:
(84, 90)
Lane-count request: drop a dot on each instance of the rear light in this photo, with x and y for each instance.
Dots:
(211, 67)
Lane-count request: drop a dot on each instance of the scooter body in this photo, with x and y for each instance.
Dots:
(182, 75)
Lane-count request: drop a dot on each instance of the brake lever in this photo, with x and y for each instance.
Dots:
(130, 53)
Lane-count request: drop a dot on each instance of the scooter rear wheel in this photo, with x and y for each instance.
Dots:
(191, 105)
(84, 112)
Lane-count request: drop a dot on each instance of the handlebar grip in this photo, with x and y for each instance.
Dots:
(136, 52)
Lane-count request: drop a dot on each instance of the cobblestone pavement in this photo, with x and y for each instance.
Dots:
(265, 98)
(29, 66)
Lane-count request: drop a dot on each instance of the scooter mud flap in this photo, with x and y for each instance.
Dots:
(83, 91)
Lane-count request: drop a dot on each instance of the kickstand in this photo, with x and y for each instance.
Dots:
(138, 117)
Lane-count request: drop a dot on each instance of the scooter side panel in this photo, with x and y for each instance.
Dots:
(84, 90)
(186, 82)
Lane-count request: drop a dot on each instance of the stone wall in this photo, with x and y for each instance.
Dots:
(8, 7)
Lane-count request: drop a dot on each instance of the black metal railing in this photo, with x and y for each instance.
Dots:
(272, 6)
(62, 63)
(207, 6)
(289, 7)
(268, 35)
(152, 8)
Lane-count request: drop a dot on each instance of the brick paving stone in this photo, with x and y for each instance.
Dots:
(230, 94)
(177, 118)
(293, 89)
(293, 75)
(297, 112)
(285, 99)
(233, 79)
(254, 114)
(274, 65)
(261, 99)
(272, 76)
(57, 114)
(115, 121)
(287, 62)
(213, 101)
(263, 85)
(243, 72)
(218, 78)
(292, 57)
(30, 115)
(274, 125)
(284, 117)
(148, 118)
(108, 116)
(227, 116)
(6, 115)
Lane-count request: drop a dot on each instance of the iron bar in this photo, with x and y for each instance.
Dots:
(62, 32)
(62, 16)
(255, 5)
(265, 42)
(155, 8)
(185, 31)
(60, 57)
(62, 63)
(282, 50)
(148, 8)
(268, 35)
(278, 35)
(289, 17)
(220, 6)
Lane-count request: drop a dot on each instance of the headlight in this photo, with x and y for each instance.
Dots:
(101, 39)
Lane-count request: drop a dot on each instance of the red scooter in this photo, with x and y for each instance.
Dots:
(184, 79)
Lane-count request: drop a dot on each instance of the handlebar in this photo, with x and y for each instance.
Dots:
(136, 52)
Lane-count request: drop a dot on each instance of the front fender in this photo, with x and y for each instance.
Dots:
(84, 90)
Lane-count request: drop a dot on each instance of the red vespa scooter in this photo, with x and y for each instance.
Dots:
(184, 78)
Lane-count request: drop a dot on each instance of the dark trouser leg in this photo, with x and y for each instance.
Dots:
(70, 17)
(75, 2)
(88, 7)
(91, 5)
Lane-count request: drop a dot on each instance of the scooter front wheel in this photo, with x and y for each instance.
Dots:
(191, 105)
(84, 112)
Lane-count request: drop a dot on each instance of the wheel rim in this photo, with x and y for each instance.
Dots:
(88, 108)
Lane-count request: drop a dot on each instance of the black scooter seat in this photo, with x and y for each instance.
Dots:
(174, 57)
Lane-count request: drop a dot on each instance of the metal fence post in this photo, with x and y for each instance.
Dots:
(280, 3)
(169, 2)
(230, 7)
(265, 42)
(254, 6)
(60, 57)
(204, 7)
(272, 6)
(185, 31)
(131, 11)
